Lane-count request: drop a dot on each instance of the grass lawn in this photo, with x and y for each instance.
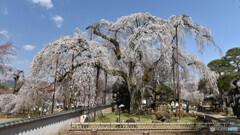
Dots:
(112, 117)
(2, 120)
(12, 117)
(143, 119)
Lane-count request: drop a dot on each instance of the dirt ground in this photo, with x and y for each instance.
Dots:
(162, 132)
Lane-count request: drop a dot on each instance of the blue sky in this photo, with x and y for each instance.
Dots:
(31, 24)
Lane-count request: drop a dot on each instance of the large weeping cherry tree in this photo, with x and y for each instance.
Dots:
(75, 57)
(140, 42)
(134, 41)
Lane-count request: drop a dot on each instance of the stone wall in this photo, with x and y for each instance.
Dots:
(51, 124)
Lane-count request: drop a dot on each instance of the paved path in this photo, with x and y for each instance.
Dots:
(233, 120)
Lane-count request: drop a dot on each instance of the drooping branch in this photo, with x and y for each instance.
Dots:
(117, 50)
(61, 78)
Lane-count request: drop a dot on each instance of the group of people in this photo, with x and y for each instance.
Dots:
(232, 105)
(199, 105)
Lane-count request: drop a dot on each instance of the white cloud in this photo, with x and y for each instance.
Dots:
(4, 11)
(4, 33)
(44, 3)
(58, 20)
(28, 47)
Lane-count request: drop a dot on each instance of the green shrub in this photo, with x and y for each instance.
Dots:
(160, 114)
(125, 111)
(218, 110)
(193, 103)
(4, 87)
(174, 119)
(162, 102)
(200, 117)
(192, 114)
(130, 120)
(163, 115)
(174, 114)
(186, 115)
(207, 120)
(214, 121)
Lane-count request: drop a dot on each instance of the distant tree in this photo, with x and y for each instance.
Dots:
(228, 70)
(224, 69)
(233, 56)
(220, 66)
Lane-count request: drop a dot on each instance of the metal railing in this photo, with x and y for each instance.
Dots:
(144, 126)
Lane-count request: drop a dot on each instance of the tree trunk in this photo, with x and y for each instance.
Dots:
(64, 104)
(97, 78)
(84, 97)
(16, 79)
(135, 100)
(104, 93)
(42, 106)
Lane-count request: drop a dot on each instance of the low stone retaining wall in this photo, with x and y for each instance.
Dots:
(51, 124)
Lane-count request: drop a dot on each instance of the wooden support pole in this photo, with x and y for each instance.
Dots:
(146, 133)
(93, 132)
(104, 93)
(178, 85)
(91, 33)
(94, 117)
(54, 86)
(71, 85)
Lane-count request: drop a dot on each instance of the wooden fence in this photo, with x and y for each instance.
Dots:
(144, 126)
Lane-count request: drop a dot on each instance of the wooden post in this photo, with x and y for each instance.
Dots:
(54, 86)
(94, 117)
(174, 85)
(119, 114)
(91, 33)
(146, 133)
(71, 85)
(97, 78)
(93, 132)
(139, 114)
(178, 86)
(104, 94)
